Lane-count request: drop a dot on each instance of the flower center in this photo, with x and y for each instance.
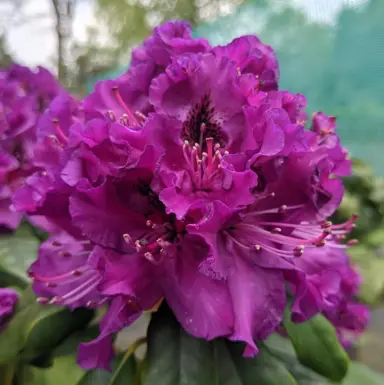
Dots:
(153, 244)
(201, 124)
(205, 168)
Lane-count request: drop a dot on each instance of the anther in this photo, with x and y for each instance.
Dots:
(91, 304)
(326, 224)
(140, 116)
(258, 248)
(124, 120)
(160, 242)
(65, 254)
(111, 116)
(55, 300)
(320, 243)
(298, 251)
(42, 300)
(127, 238)
(53, 138)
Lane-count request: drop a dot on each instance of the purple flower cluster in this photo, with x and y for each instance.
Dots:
(8, 301)
(192, 178)
(24, 96)
(329, 269)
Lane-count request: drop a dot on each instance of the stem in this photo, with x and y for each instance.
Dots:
(9, 373)
(141, 371)
(127, 355)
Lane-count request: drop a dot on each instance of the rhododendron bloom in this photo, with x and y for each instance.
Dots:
(24, 96)
(189, 179)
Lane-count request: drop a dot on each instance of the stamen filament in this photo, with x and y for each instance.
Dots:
(59, 131)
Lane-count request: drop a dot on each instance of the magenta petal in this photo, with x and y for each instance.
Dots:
(65, 109)
(131, 275)
(100, 214)
(96, 354)
(8, 217)
(229, 186)
(196, 79)
(8, 301)
(8, 163)
(170, 39)
(258, 298)
(214, 217)
(58, 258)
(252, 56)
(201, 304)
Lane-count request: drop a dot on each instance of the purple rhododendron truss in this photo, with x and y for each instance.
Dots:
(24, 96)
(192, 178)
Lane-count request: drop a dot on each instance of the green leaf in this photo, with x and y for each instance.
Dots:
(28, 375)
(126, 374)
(282, 349)
(263, 369)
(96, 377)
(37, 329)
(174, 358)
(43, 361)
(317, 346)
(70, 345)
(65, 356)
(360, 374)
(64, 371)
(17, 251)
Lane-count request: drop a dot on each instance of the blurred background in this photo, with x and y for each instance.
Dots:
(330, 50)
